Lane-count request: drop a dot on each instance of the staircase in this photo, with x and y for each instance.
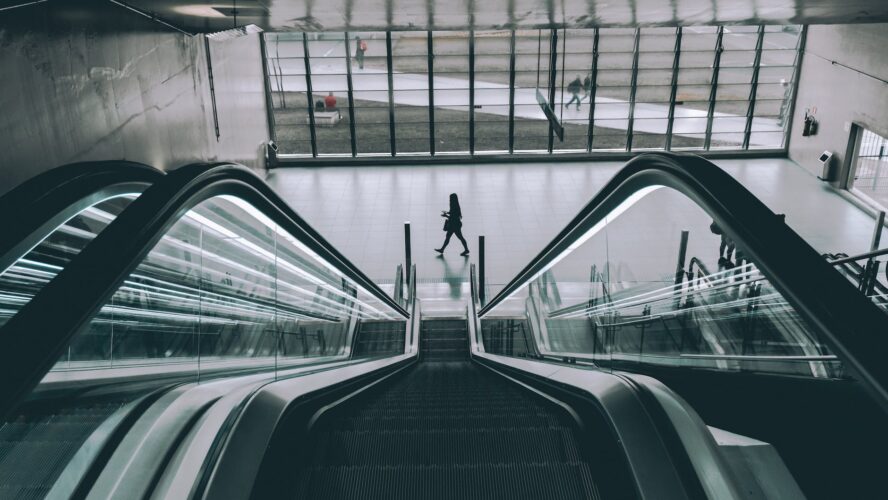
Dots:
(379, 338)
(444, 340)
(447, 429)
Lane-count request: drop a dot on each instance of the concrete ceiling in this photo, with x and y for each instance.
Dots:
(357, 15)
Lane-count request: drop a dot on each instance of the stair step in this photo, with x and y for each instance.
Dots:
(447, 446)
(481, 481)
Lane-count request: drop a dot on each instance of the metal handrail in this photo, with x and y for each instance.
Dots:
(852, 325)
(48, 200)
(87, 283)
(855, 258)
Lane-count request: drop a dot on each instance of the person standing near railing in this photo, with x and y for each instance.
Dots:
(726, 244)
(453, 225)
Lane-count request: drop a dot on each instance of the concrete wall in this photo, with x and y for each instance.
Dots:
(840, 95)
(92, 81)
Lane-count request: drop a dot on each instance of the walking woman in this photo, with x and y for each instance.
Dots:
(453, 225)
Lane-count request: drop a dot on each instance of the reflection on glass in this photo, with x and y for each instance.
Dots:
(225, 288)
(22, 280)
(691, 298)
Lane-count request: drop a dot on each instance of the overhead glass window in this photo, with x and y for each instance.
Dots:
(286, 76)
(492, 91)
(776, 82)
(574, 83)
(695, 76)
(458, 92)
(656, 59)
(869, 168)
(371, 96)
(451, 67)
(616, 47)
(735, 76)
(410, 79)
(531, 77)
(329, 85)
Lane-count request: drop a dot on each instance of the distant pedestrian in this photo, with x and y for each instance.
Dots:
(453, 225)
(330, 102)
(320, 106)
(360, 48)
(574, 88)
(725, 247)
(587, 86)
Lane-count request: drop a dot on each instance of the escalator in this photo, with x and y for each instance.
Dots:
(185, 323)
(777, 346)
(58, 214)
(205, 342)
(448, 428)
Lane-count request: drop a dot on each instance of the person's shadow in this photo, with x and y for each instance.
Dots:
(454, 279)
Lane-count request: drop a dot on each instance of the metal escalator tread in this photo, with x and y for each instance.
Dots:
(36, 446)
(447, 429)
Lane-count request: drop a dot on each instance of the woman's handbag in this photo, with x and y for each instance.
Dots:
(447, 224)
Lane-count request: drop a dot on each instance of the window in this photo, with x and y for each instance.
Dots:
(463, 92)
(869, 170)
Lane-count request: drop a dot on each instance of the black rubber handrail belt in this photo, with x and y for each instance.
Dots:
(45, 201)
(833, 308)
(32, 340)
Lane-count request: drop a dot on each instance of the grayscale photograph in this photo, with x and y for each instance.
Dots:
(443, 249)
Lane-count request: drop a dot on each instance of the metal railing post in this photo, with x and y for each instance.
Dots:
(679, 266)
(633, 88)
(391, 91)
(353, 141)
(871, 272)
(407, 245)
(713, 91)
(481, 294)
(306, 58)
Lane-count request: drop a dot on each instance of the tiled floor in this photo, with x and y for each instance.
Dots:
(521, 207)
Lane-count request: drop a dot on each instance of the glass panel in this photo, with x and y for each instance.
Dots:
(574, 82)
(451, 64)
(532, 76)
(27, 276)
(688, 129)
(492, 52)
(225, 288)
(652, 96)
(603, 302)
(613, 88)
(370, 83)
(286, 78)
(411, 91)
(329, 84)
(224, 292)
(870, 175)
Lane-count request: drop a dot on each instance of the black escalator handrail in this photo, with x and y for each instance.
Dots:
(47, 200)
(32, 340)
(853, 326)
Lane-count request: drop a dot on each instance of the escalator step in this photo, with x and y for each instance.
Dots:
(447, 429)
(398, 420)
(498, 481)
(447, 446)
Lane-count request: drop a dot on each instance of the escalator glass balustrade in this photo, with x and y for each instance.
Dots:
(225, 288)
(661, 287)
(32, 271)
